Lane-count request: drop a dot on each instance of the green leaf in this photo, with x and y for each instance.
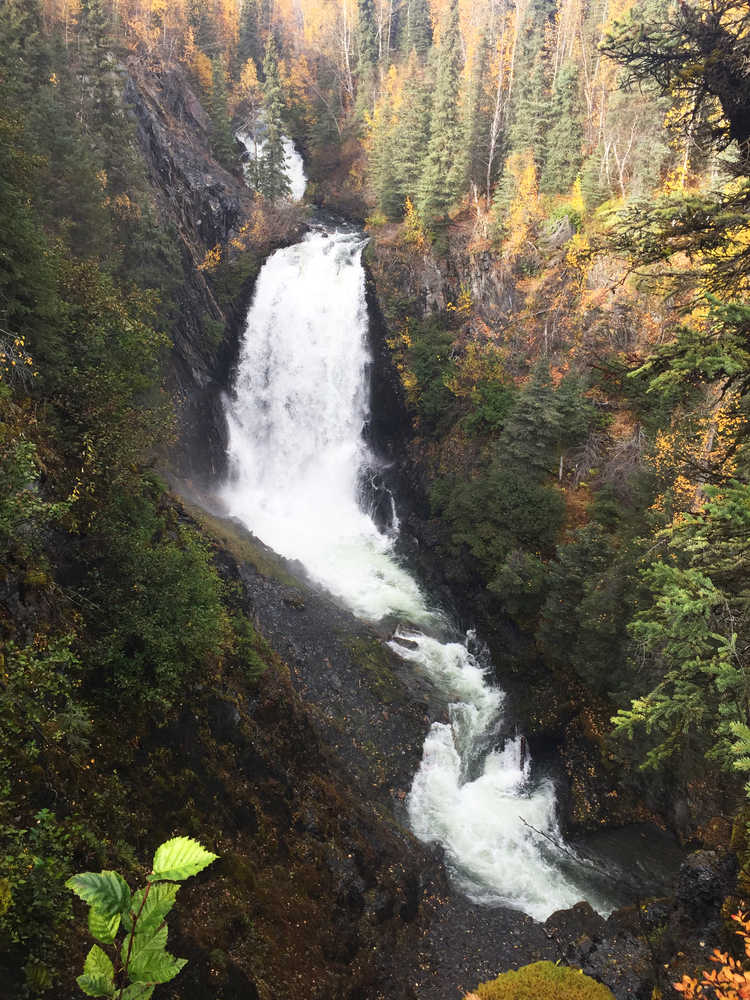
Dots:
(149, 941)
(179, 858)
(138, 991)
(160, 900)
(107, 891)
(96, 986)
(155, 966)
(98, 979)
(102, 927)
(98, 963)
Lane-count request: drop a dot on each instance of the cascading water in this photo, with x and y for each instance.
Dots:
(297, 457)
(293, 162)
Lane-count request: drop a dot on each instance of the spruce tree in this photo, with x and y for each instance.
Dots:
(222, 139)
(476, 123)
(383, 170)
(530, 119)
(594, 186)
(200, 19)
(413, 131)
(249, 33)
(273, 180)
(565, 136)
(97, 76)
(444, 172)
(101, 112)
(27, 300)
(415, 26)
(368, 40)
(26, 58)
(530, 102)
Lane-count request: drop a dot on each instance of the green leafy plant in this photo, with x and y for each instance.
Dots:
(133, 925)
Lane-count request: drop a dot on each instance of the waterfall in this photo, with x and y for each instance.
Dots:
(297, 459)
(293, 162)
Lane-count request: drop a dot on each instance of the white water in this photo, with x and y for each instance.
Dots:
(293, 162)
(297, 455)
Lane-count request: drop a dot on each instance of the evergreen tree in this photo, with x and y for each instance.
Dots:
(368, 40)
(97, 72)
(383, 170)
(70, 199)
(96, 36)
(272, 177)
(565, 137)
(26, 58)
(222, 139)
(545, 423)
(27, 302)
(39, 82)
(444, 168)
(530, 120)
(249, 33)
(594, 186)
(592, 590)
(700, 56)
(529, 108)
(101, 113)
(204, 27)
(266, 18)
(476, 117)
(693, 636)
(415, 26)
(413, 131)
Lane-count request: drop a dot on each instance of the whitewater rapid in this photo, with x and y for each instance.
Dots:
(298, 460)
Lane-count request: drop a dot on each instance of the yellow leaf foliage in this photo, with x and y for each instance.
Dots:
(524, 209)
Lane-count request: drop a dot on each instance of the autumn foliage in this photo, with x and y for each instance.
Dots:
(730, 979)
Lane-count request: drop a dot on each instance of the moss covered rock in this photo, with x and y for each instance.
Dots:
(543, 981)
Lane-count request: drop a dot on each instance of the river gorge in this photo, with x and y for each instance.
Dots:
(298, 464)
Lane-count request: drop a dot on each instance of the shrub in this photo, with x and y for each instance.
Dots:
(430, 360)
(544, 981)
(730, 980)
(499, 510)
(166, 623)
(34, 906)
(42, 719)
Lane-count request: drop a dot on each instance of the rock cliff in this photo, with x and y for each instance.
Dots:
(202, 206)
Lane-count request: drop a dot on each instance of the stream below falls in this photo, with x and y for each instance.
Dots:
(298, 468)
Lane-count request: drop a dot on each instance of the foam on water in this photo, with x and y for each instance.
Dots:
(297, 456)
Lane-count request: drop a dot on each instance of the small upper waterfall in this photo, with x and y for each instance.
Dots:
(297, 457)
(293, 162)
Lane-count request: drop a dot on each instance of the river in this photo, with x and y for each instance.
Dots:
(299, 461)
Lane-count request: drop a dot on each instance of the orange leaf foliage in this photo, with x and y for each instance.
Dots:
(729, 981)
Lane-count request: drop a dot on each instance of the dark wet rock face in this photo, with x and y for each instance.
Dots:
(706, 879)
(611, 951)
(575, 931)
(206, 202)
(202, 206)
